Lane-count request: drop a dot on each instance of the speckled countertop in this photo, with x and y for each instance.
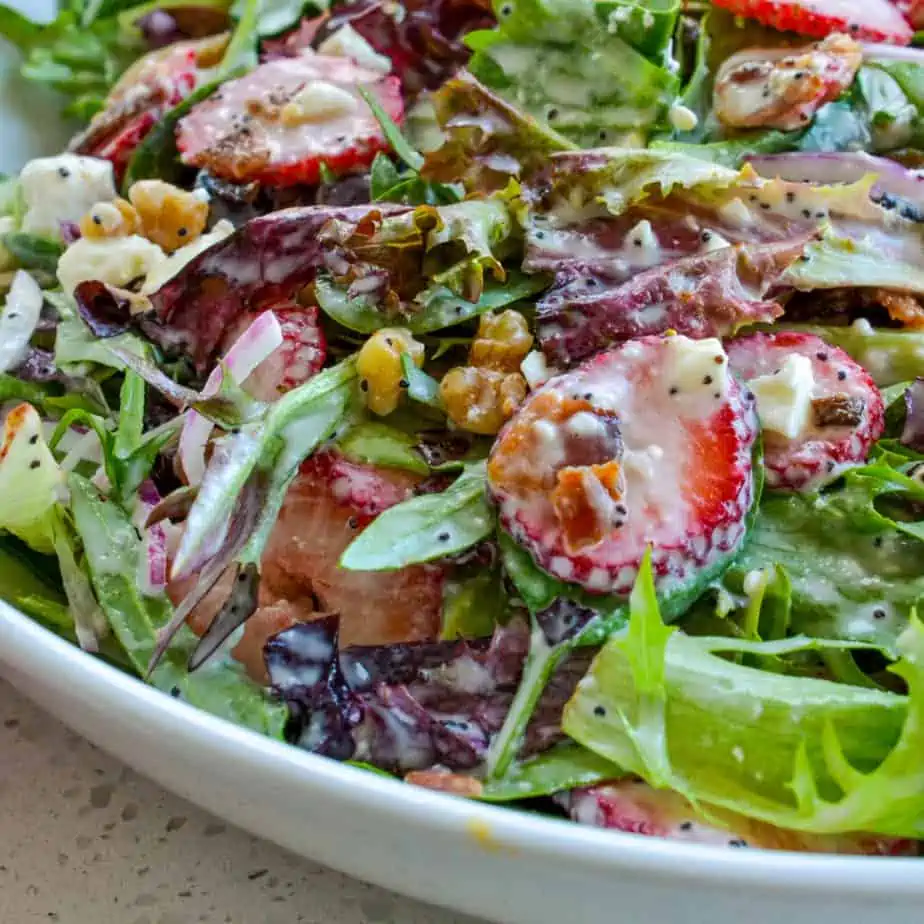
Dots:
(85, 840)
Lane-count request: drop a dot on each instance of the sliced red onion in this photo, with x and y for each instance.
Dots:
(874, 51)
(255, 345)
(18, 320)
(152, 566)
(893, 179)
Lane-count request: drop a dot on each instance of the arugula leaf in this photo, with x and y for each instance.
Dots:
(565, 766)
(373, 443)
(420, 387)
(241, 53)
(425, 527)
(113, 553)
(387, 184)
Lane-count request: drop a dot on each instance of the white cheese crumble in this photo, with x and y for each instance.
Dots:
(346, 42)
(63, 188)
(535, 369)
(115, 261)
(318, 101)
(697, 367)
(682, 117)
(641, 245)
(784, 399)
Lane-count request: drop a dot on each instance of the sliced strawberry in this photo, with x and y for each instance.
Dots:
(820, 410)
(633, 806)
(680, 428)
(330, 501)
(753, 90)
(872, 20)
(301, 355)
(278, 124)
(913, 11)
(153, 85)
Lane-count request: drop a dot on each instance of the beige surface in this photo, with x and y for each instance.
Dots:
(85, 840)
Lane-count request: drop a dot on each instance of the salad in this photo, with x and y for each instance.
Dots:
(523, 400)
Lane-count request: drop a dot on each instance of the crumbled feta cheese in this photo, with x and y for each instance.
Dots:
(682, 118)
(115, 261)
(346, 42)
(642, 245)
(168, 268)
(736, 213)
(535, 369)
(63, 188)
(784, 400)
(697, 367)
(712, 240)
(317, 101)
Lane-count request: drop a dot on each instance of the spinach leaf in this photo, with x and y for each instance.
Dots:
(565, 766)
(425, 527)
(374, 443)
(387, 184)
(32, 252)
(113, 553)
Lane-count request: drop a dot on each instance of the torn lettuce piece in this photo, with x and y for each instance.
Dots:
(563, 767)
(559, 60)
(854, 570)
(873, 260)
(30, 480)
(487, 142)
(798, 752)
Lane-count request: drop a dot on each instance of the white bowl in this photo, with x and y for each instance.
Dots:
(503, 864)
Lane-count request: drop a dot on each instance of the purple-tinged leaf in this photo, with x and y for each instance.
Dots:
(913, 432)
(709, 295)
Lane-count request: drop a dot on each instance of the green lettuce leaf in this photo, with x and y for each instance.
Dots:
(561, 62)
(30, 480)
(113, 552)
(487, 142)
(890, 355)
(797, 752)
(854, 570)
(565, 766)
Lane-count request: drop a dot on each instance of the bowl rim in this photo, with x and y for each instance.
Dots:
(27, 646)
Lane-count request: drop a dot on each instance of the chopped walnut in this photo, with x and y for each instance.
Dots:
(502, 341)
(170, 217)
(481, 400)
